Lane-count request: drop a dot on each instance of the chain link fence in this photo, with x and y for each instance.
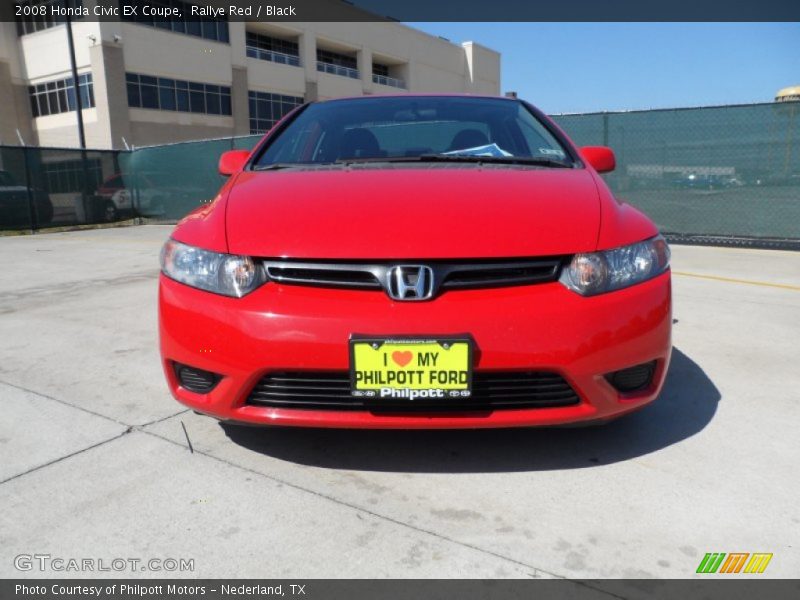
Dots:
(721, 175)
(43, 188)
(728, 174)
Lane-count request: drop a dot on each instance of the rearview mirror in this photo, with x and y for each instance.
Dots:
(600, 157)
(232, 161)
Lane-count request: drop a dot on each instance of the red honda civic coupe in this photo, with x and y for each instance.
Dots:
(415, 262)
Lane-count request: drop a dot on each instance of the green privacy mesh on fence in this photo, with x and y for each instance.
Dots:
(171, 180)
(42, 187)
(728, 172)
(51, 187)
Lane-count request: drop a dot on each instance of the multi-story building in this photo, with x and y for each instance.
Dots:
(146, 82)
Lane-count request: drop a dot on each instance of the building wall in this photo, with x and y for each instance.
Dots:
(45, 54)
(483, 65)
(150, 127)
(15, 113)
(60, 131)
(109, 50)
(15, 116)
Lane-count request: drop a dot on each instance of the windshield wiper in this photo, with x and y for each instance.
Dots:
(273, 167)
(277, 166)
(503, 160)
(469, 158)
(376, 159)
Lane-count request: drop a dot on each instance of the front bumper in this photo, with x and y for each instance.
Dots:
(544, 327)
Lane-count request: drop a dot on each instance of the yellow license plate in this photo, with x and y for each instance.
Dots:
(411, 368)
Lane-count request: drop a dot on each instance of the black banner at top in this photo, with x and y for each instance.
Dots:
(411, 10)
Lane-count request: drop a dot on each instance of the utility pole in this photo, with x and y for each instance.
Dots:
(78, 100)
(88, 208)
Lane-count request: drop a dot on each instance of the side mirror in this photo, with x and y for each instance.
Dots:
(232, 161)
(600, 157)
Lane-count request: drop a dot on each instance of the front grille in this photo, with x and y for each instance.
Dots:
(320, 276)
(491, 390)
(446, 275)
(500, 275)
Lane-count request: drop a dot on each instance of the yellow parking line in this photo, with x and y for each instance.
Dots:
(782, 286)
(737, 249)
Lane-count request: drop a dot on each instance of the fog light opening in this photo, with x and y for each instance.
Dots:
(195, 380)
(633, 379)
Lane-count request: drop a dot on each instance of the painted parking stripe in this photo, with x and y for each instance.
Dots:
(782, 286)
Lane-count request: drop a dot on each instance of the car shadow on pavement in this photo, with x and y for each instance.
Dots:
(686, 405)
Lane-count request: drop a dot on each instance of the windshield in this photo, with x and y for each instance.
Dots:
(415, 128)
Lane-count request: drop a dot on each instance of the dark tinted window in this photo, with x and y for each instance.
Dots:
(55, 97)
(267, 109)
(146, 91)
(210, 28)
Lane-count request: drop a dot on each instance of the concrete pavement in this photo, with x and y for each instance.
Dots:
(96, 464)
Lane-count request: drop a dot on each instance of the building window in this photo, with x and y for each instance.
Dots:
(66, 176)
(338, 64)
(53, 97)
(209, 28)
(267, 109)
(380, 74)
(39, 14)
(160, 93)
(273, 49)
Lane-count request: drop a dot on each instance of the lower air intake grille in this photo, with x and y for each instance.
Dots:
(491, 390)
(633, 379)
(196, 380)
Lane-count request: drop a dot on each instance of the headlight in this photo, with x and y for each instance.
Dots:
(598, 272)
(225, 274)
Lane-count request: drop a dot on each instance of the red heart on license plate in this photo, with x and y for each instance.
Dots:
(402, 358)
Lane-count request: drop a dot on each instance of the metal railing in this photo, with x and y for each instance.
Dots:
(390, 81)
(276, 57)
(325, 67)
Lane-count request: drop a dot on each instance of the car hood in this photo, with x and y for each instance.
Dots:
(406, 213)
